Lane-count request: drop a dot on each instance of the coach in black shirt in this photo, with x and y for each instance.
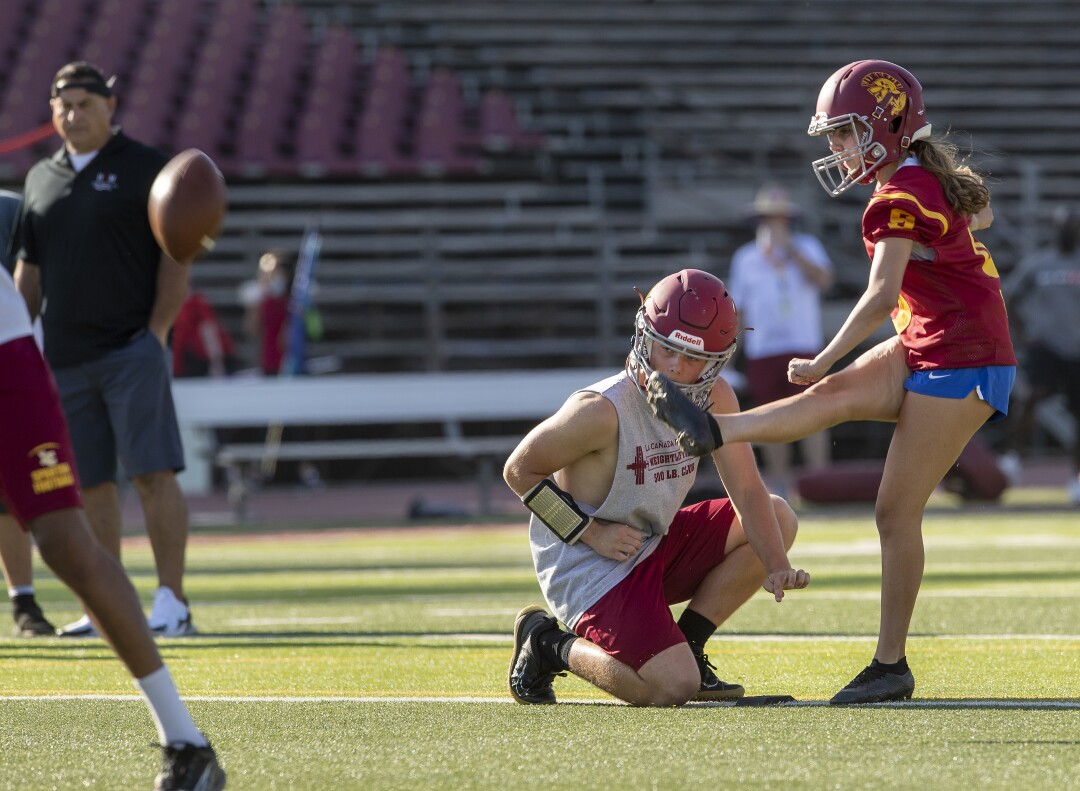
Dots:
(88, 262)
(99, 262)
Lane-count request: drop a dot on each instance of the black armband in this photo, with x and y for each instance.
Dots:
(556, 509)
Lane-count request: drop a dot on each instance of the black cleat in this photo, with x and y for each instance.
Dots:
(185, 767)
(696, 430)
(712, 688)
(874, 685)
(30, 621)
(530, 679)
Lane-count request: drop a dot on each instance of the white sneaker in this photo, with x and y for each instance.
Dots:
(1074, 491)
(169, 617)
(1011, 468)
(83, 627)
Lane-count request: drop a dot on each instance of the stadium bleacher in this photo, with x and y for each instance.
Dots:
(261, 138)
(324, 119)
(152, 92)
(588, 146)
(220, 80)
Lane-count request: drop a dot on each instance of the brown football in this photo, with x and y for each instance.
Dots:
(187, 205)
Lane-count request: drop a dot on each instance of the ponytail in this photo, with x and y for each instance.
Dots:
(964, 188)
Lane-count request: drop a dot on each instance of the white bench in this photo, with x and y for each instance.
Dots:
(448, 399)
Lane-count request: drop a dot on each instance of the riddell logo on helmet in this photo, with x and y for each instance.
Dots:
(887, 90)
(689, 340)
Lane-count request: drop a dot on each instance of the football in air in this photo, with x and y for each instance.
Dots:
(187, 205)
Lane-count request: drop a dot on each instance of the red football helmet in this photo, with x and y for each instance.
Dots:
(883, 106)
(692, 313)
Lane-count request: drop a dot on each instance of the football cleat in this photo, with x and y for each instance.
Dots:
(1073, 489)
(30, 621)
(169, 616)
(712, 688)
(530, 679)
(874, 685)
(1012, 468)
(83, 627)
(185, 767)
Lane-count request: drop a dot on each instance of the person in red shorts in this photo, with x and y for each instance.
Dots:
(266, 310)
(612, 546)
(39, 485)
(950, 367)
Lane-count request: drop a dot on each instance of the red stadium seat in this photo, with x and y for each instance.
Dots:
(269, 99)
(441, 128)
(382, 122)
(324, 118)
(17, 16)
(111, 39)
(214, 89)
(49, 44)
(500, 129)
(147, 104)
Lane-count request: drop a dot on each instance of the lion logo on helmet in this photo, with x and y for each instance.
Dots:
(887, 90)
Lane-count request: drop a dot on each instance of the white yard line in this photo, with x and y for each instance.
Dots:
(951, 703)
(501, 637)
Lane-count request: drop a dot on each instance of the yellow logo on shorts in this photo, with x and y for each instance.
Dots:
(52, 474)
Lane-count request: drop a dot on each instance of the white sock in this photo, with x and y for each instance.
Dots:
(173, 721)
(20, 590)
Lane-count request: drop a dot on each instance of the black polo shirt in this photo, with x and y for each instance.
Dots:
(90, 235)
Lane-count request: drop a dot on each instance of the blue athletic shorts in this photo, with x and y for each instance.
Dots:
(993, 383)
(121, 405)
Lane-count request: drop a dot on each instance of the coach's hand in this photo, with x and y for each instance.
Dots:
(612, 540)
(788, 579)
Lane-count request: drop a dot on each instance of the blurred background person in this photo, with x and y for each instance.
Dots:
(107, 296)
(777, 281)
(1043, 296)
(266, 322)
(266, 310)
(200, 345)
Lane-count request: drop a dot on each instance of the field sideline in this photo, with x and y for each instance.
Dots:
(376, 659)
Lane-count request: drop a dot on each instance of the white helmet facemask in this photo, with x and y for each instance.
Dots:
(832, 171)
(638, 362)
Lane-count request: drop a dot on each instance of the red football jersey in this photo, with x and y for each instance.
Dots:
(950, 313)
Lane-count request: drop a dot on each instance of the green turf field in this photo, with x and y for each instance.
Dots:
(376, 659)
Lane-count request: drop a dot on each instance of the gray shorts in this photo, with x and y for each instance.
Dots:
(120, 406)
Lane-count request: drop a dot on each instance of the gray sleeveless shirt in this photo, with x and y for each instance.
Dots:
(652, 478)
